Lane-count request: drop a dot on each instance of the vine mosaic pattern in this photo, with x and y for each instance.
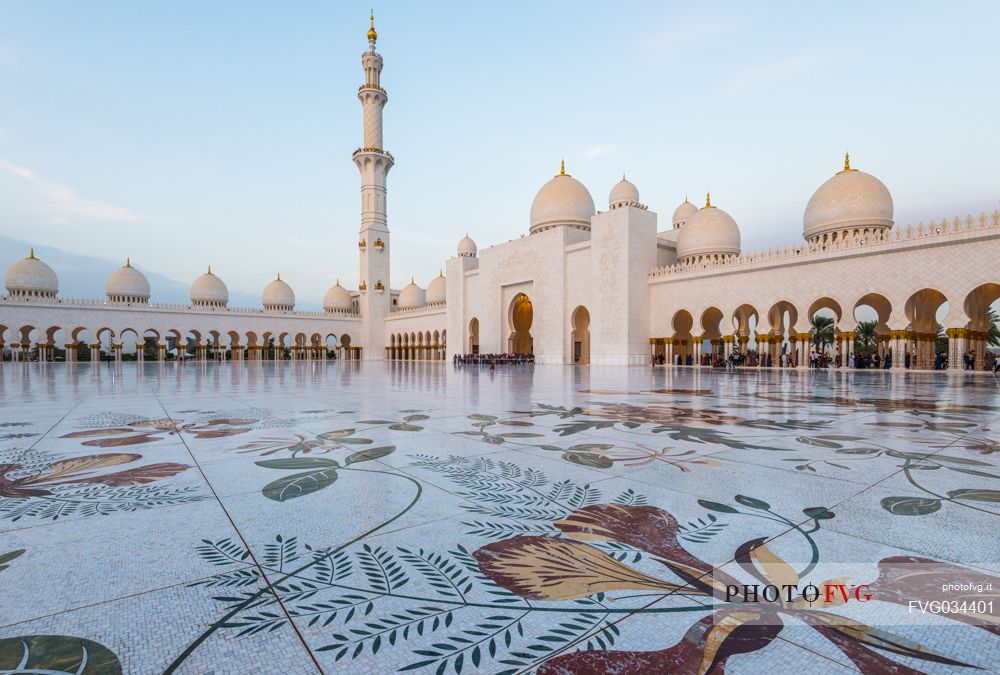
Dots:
(550, 520)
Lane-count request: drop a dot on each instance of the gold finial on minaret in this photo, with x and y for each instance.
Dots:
(708, 200)
(31, 254)
(440, 272)
(562, 167)
(372, 35)
(128, 262)
(209, 269)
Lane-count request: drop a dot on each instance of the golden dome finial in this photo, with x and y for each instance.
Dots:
(31, 254)
(279, 276)
(209, 269)
(847, 163)
(128, 262)
(708, 200)
(562, 167)
(338, 281)
(441, 272)
(372, 35)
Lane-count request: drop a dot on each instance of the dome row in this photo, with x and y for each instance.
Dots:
(850, 201)
(33, 278)
(413, 296)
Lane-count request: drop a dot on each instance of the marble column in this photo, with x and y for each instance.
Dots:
(805, 344)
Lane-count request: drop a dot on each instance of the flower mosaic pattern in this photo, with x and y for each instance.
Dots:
(587, 529)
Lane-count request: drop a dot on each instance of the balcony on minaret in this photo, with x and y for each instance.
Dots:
(377, 151)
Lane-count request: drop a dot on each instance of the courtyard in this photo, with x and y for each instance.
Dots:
(302, 517)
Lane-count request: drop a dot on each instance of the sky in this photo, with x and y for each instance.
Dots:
(184, 134)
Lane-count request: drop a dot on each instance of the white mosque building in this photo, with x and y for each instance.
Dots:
(587, 286)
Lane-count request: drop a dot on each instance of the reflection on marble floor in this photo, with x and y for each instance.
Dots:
(308, 517)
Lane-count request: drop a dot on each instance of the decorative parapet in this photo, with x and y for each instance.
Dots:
(805, 250)
(430, 308)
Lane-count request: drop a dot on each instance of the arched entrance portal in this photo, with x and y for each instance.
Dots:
(581, 336)
(520, 316)
(474, 336)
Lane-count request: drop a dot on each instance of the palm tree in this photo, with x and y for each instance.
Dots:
(822, 332)
(941, 344)
(993, 339)
(866, 338)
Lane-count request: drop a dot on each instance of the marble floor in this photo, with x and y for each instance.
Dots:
(373, 518)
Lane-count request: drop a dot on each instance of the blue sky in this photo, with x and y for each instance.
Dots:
(186, 133)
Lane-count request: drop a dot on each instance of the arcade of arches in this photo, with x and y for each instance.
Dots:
(418, 346)
(924, 333)
(31, 343)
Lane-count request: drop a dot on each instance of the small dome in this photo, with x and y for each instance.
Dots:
(31, 277)
(467, 247)
(710, 232)
(851, 200)
(437, 289)
(683, 212)
(411, 296)
(278, 295)
(209, 290)
(337, 298)
(624, 193)
(127, 284)
(563, 201)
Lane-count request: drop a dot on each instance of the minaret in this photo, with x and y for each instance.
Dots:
(374, 163)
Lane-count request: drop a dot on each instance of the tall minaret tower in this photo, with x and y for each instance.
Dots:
(373, 243)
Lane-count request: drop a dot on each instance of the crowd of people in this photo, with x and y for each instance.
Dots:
(493, 360)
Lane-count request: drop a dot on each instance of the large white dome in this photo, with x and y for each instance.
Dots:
(278, 295)
(209, 290)
(684, 212)
(711, 232)
(411, 296)
(337, 298)
(850, 201)
(563, 201)
(624, 193)
(437, 289)
(467, 248)
(31, 277)
(127, 284)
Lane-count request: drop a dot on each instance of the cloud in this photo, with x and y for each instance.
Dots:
(7, 55)
(67, 202)
(693, 29)
(772, 72)
(599, 151)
